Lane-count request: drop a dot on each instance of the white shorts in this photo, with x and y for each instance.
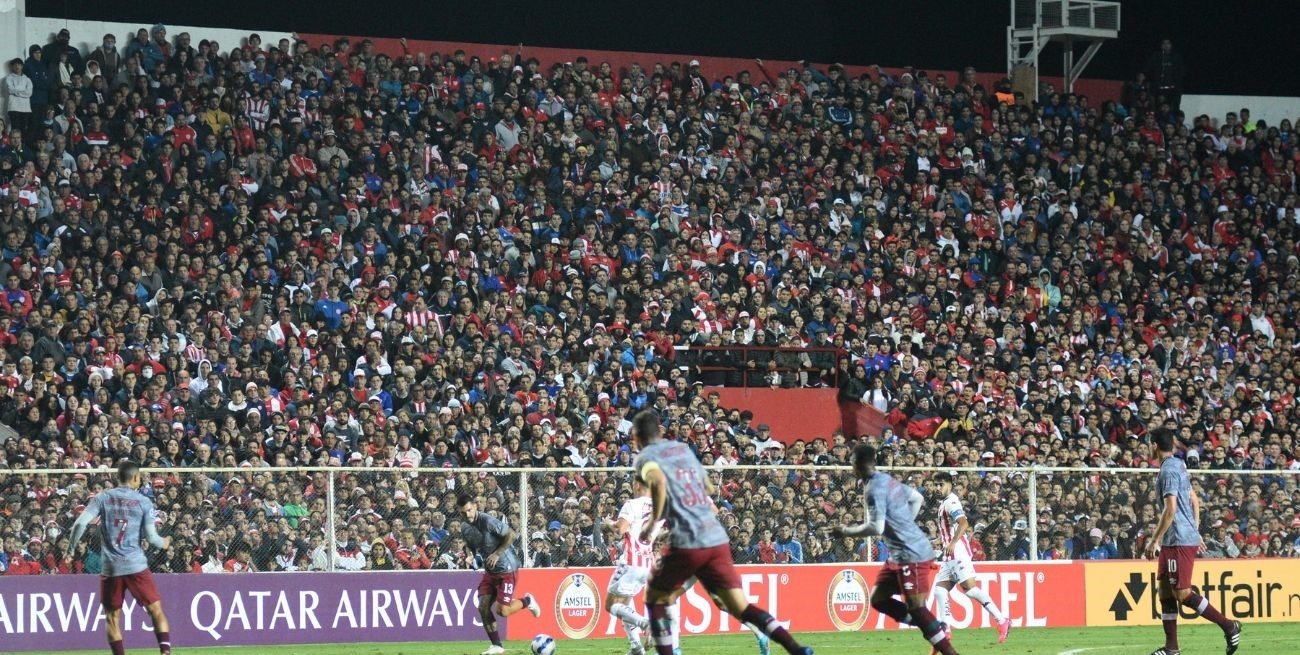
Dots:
(956, 571)
(628, 580)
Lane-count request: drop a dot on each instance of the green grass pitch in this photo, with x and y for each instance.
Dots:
(1197, 639)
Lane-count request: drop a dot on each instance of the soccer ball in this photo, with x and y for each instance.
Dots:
(543, 645)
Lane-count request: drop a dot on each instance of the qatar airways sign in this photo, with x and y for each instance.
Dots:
(62, 612)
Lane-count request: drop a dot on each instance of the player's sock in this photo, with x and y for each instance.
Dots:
(628, 615)
(941, 608)
(164, 642)
(525, 602)
(759, 618)
(932, 629)
(661, 629)
(493, 636)
(1169, 619)
(894, 609)
(980, 596)
(1205, 610)
(116, 647)
(675, 616)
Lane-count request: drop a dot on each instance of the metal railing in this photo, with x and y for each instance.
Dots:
(391, 518)
(762, 366)
(1086, 14)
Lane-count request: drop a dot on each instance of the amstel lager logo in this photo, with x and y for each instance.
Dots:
(846, 600)
(577, 606)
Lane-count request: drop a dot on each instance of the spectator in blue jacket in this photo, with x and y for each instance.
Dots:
(788, 549)
(1100, 547)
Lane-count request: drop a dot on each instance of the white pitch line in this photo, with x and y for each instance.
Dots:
(1080, 651)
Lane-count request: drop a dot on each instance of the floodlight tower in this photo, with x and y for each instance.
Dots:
(1036, 23)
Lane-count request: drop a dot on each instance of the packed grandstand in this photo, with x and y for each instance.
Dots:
(318, 255)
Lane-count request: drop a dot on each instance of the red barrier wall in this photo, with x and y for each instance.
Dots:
(1097, 91)
(802, 413)
(812, 597)
(793, 413)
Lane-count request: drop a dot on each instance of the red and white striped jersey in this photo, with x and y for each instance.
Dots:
(636, 511)
(949, 511)
(430, 156)
(258, 111)
(424, 319)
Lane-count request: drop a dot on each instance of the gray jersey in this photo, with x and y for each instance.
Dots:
(493, 532)
(692, 521)
(1175, 481)
(906, 541)
(126, 518)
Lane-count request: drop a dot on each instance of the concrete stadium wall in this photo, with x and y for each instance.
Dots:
(1270, 109)
(1097, 91)
(88, 34)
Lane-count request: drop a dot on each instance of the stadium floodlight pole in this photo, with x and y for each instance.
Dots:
(332, 544)
(523, 515)
(1033, 515)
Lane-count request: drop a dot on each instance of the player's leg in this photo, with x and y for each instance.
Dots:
(931, 628)
(666, 584)
(899, 579)
(161, 629)
(145, 592)
(942, 609)
(626, 583)
(1168, 613)
(486, 599)
(882, 595)
(973, 590)
(764, 643)
(720, 578)
(112, 591)
(113, 623)
(1180, 560)
(506, 603)
(661, 625)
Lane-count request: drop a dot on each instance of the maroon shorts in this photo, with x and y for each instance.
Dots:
(906, 579)
(1176, 564)
(713, 566)
(113, 588)
(500, 585)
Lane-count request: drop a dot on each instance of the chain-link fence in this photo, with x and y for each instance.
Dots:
(274, 519)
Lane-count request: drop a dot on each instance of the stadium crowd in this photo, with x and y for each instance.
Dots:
(293, 254)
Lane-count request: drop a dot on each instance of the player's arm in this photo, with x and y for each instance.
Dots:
(915, 501)
(150, 531)
(1196, 515)
(1166, 520)
(79, 527)
(156, 540)
(619, 526)
(962, 526)
(655, 480)
(872, 525)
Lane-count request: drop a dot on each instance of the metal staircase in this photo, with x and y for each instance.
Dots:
(1036, 23)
